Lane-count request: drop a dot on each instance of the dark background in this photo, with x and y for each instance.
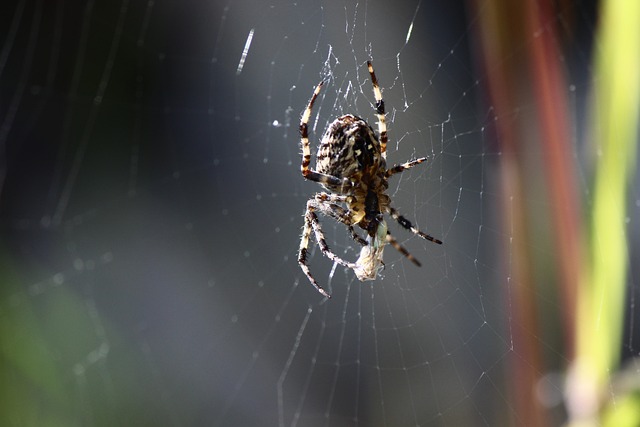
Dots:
(151, 207)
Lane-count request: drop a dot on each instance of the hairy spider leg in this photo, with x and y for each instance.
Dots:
(382, 122)
(302, 258)
(391, 240)
(404, 166)
(405, 223)
(306, 149)
(337, 212)
(311, 222)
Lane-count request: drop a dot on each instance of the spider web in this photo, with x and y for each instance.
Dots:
(152, 208)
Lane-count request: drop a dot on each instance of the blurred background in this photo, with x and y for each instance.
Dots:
(151, 209)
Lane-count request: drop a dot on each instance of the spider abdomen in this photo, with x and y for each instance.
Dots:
(350, 149)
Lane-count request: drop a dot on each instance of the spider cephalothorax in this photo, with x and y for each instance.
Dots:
(351, 165)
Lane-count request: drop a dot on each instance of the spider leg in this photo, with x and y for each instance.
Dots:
(400, 168)
(306, 149)
(331, 197)
(337, 212)
(302, 257)
(312, 218)
(404, 222)
(382, 123)
(340, 214)
(402, 249)
(311, 222)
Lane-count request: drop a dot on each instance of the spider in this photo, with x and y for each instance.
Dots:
(351, 165)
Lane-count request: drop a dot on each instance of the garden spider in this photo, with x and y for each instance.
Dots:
(351, 165)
